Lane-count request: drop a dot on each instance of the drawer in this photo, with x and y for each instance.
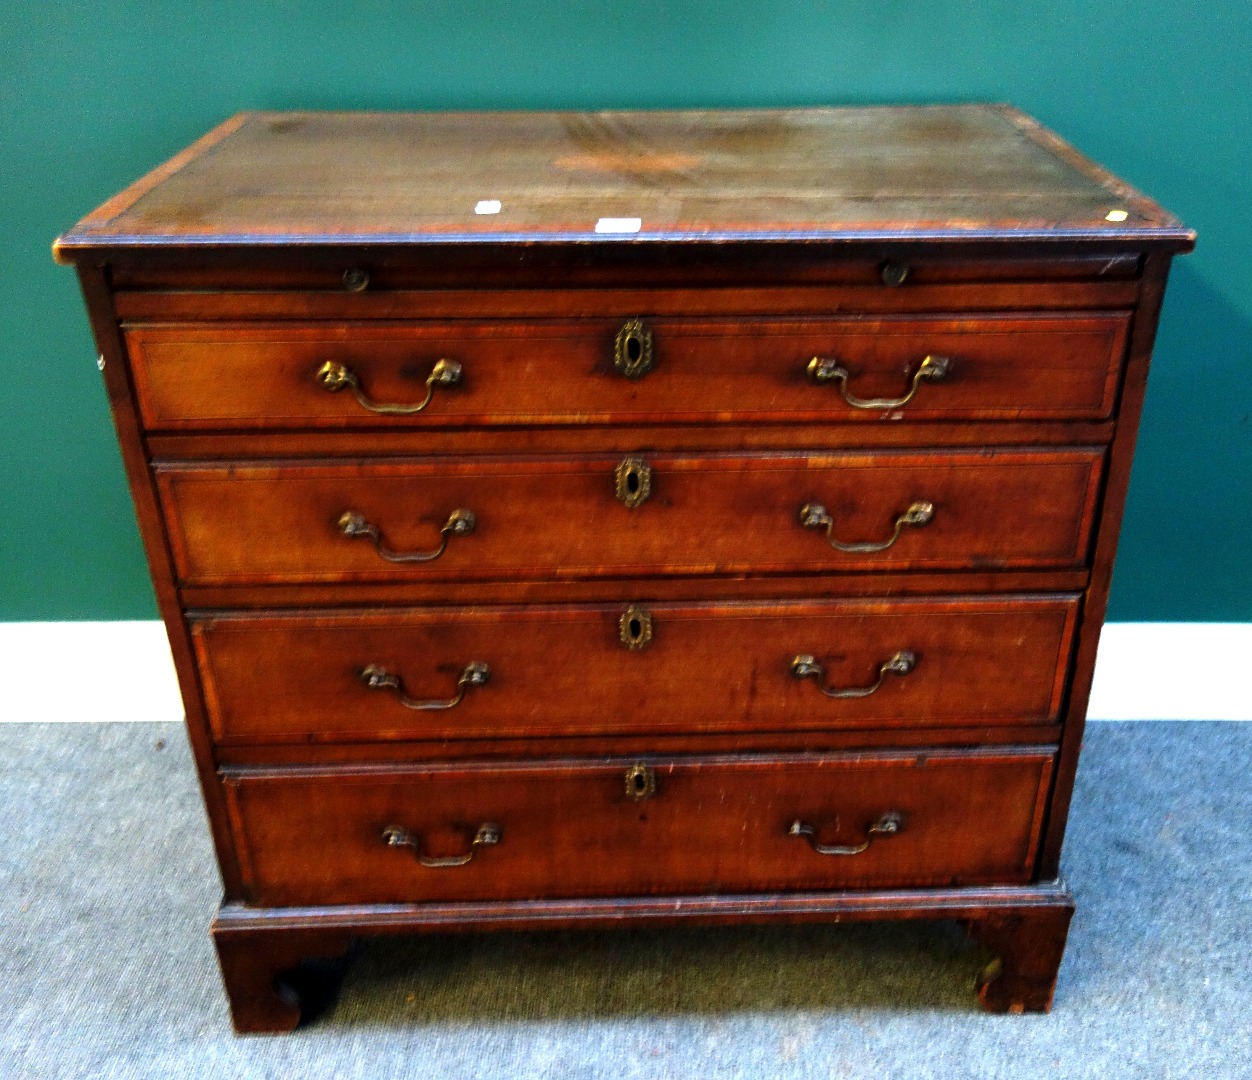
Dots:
(313, 274)
(550, 670)
(570, 517)
(239, 376)
(608, 828)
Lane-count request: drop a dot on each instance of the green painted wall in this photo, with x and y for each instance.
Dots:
(94, 94)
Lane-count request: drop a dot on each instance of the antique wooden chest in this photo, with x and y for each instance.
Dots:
(591, 519)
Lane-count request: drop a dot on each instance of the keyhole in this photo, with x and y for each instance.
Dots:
(632, 349)
(632, 482)
(640, 782)
(634, 627)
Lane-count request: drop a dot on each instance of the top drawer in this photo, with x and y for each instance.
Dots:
(610, 371)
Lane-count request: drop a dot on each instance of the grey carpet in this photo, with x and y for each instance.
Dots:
(107, 885)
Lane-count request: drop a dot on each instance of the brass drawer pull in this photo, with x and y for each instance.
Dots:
(379, 678)
(931, 369)
(887, 825)
(459, 523)
(815, 516)
(334, 377)
(394, 836)
(632, 349)
(806, 667)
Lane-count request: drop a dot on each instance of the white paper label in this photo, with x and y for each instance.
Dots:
(619, 225)
(487, 206)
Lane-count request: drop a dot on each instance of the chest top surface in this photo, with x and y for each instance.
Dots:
(933, 172)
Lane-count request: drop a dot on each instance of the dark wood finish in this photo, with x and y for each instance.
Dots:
(845, 905)
(937, 173)
(119, 388)
(660, 264)
(296, 931)
(562, 372)
(1134, 386)
(575, 829)
(818, 740)
(560, 517)
(809, 587)
(565, 671)
(262, 968)
(888, 434)
(764, 300)
(219, 283)
(1028, 946)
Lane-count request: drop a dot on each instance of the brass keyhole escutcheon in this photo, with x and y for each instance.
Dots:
(635, 627)
(632, 349)
(633, 482)
(640, 782)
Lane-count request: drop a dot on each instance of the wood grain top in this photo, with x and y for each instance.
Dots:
(933, 172)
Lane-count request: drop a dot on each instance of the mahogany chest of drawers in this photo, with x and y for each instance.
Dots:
(582, 519)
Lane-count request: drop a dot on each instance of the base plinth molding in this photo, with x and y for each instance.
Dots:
(264, 951)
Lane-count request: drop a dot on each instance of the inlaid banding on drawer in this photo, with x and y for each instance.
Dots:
(238, 376)
(628, 668)
(578, 828)
(560, 517)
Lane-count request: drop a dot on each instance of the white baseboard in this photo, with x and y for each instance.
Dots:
(103, 671)
(1172, 671)
(86, 671)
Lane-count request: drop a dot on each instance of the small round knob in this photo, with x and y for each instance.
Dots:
(355, 279)
(894, 273)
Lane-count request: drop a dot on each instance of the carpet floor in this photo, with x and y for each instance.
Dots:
(107, 885)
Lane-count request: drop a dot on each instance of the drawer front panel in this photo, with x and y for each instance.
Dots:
(311, 275)
(568, 517)
(622, 669)
(515, 373)
(606, 828)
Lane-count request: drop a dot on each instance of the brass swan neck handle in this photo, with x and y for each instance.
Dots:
(824, 370)
(333, 377)
(397, 837)
(816, 516)
(888, 824)
(805, 666)
(354, 525)
(377, 677)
